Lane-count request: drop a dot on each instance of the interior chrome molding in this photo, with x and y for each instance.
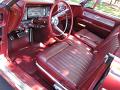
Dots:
(56, 81)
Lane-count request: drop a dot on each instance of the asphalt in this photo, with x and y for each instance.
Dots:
(4, 85)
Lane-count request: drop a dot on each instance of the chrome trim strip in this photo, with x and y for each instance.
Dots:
(11, 76)
(56, 81)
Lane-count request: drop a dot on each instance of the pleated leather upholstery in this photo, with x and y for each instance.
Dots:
(69, 60)
(73, 63)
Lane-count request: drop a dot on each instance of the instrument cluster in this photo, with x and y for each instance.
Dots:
(34, 12)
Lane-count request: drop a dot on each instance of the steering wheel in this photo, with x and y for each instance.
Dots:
(60, 11)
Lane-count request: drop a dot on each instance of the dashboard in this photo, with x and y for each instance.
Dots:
(36, 11)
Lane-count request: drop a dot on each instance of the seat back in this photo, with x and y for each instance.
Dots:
(111, 43)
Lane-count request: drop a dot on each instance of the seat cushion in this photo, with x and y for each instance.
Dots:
(88, 37)
(67, 62)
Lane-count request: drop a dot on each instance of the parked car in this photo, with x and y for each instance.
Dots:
(56, 45)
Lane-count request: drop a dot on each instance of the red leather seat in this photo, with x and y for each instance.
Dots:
(89, 38)
(66, 62)
(71, 63)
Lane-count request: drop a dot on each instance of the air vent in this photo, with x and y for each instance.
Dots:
(0, 32)
(1, 17)
(0, 38)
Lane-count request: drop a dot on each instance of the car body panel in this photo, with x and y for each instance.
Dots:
(14, 17)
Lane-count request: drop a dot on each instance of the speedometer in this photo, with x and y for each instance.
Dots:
(36, 12)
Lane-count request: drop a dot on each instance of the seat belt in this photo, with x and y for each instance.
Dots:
(109, 58)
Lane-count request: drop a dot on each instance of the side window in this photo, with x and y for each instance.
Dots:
(107, 7)
(85, 3)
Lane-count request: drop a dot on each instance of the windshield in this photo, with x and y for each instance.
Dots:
(1, 1)
(73, 2)
(39, 0)
(52, 0)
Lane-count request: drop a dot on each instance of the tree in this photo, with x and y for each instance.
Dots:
(111, 2)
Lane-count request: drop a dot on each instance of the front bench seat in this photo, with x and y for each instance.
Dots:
(88, 37)
(66, 62)
(72, 63)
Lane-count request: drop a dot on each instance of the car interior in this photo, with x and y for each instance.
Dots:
(62, 45)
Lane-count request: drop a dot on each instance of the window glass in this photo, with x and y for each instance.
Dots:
(90, 3)
(1, 1)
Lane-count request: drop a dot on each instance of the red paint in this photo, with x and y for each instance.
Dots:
(24, 53)
(112, 81)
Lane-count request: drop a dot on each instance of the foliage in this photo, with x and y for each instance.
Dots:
(77, 1)
(109, 9)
